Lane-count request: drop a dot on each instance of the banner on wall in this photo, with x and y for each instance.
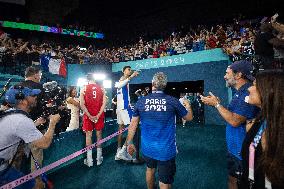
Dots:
(175, 60)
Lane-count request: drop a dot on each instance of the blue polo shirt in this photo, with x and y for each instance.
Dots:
(157, 112)
(235, 135)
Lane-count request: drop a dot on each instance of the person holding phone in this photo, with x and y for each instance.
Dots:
(238, 76)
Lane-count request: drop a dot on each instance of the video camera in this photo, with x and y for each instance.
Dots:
(52, 101)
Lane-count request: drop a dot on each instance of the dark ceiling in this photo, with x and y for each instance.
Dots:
(127, 18)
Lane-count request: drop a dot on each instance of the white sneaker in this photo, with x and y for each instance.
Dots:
(88, 163)
(116, 155)
(124, 155)
(100, 160)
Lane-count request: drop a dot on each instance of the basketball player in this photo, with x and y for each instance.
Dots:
(93, 102)
(124, 112)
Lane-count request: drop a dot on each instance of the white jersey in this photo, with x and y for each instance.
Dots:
(123, 98)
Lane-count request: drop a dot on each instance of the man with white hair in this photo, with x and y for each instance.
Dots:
(157, 112)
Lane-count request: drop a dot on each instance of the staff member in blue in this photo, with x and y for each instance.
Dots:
(157, 112)
(238, 76)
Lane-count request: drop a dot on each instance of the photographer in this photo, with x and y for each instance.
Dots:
(17, 127)
(32, 81)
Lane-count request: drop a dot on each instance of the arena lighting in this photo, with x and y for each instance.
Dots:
(107, 84)
(81, 82)
(41, 28)
(99, 76)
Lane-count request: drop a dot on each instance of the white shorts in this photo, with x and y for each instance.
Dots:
(124, 116)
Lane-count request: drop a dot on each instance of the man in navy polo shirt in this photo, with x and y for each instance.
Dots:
(157, 113)
(238, 76)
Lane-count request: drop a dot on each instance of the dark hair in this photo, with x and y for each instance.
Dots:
(30, 71)
(125, 67)
(71, 88)
(270, 85)
(90, 76)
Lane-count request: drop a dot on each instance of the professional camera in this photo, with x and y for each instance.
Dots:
(53, 102)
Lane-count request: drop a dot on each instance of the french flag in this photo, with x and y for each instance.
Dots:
(52, 65)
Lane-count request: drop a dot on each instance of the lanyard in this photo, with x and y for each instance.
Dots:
(160, 92)
(252, 147)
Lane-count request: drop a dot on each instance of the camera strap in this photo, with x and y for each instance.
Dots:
(9, 112)
(11, 162)
(43, 176)
(3, 114)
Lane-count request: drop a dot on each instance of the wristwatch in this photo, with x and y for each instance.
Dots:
(217, 105)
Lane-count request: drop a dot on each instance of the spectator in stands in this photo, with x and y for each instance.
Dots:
(263, 49)
(181, 100)
(73, 104)
(238, 75)
(177, 43)
(278, 41)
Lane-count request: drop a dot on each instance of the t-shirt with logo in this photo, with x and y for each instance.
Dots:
(157, 112)
(235, 135)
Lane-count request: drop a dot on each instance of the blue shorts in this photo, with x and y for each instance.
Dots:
(166, 169)
(234, 165)
(12, 174)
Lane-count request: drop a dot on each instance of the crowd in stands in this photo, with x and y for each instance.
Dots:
(236, 39)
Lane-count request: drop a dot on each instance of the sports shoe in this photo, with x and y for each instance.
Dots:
(88, 163)
(124, 155)
(116, 155)
(100, 160)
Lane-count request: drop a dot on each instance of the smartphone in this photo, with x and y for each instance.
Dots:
(274, 16)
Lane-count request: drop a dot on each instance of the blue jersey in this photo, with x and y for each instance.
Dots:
(157, 112)
(235, 135)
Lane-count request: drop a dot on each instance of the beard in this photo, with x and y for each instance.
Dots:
(230, 82)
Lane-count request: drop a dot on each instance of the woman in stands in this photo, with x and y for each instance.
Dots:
(74, 105)
(263, 147)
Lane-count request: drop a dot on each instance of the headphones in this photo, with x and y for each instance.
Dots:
(20, 95)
